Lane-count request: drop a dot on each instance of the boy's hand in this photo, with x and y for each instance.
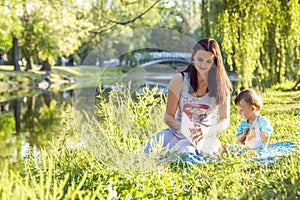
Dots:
(264, 137)
(251, 133)
(246, 131)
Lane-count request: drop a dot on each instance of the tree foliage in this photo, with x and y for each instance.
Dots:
(10, 25)
(116, 19)
(62, 27)
(57, 29)
(53, 31)
(260, 39)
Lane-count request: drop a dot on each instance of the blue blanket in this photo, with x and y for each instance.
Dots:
(269, 155)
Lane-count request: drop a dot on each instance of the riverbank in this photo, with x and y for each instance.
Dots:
(17, 83)
(11, 80)
(14, 82)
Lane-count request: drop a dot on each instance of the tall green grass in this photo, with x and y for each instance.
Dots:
(104, 160)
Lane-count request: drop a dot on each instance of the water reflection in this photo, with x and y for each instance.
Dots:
(30, 121)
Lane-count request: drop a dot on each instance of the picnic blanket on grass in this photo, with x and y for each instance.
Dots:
(273, 152)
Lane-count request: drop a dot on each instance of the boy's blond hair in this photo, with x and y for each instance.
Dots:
(250, 96)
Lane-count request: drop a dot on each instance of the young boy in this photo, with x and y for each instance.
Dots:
(253, 130)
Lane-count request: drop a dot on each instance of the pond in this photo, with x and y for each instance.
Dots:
(34, 118)
(31, 120)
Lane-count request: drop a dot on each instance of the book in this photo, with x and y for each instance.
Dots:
(186, 125)
(192, 114)
(198, 114)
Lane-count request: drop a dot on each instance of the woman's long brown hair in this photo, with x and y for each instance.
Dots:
(218, 84)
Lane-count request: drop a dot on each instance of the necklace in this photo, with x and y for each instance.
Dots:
(202, 89)
(201, 92)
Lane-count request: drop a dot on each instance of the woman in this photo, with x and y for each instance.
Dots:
(200, 95)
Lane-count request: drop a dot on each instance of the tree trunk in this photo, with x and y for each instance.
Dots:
(46, 66)
(30, 103)
(15, 54)
(17, 114)
(29, 63)
(47, 95)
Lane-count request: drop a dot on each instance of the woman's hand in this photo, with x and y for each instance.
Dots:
(197, 133)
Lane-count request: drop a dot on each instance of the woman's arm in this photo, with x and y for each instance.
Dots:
(174, 93)
(222, 124)
(224, 118)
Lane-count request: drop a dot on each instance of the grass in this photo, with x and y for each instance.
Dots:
(108, 163)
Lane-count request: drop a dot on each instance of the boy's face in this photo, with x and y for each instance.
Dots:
(246, 111)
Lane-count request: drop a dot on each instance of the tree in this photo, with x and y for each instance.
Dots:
(10, 28)
(54, 30)
(257, 41)
(112, 18)
(57, 29)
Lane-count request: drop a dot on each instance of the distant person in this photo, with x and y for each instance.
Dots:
(64, 61)
(71, 61)
(200, 94)
(253, 130)
(3, 58)
(297, 82)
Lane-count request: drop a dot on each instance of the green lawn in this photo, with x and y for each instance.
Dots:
(111, 164)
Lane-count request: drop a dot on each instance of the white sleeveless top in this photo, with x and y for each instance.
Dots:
(201, 109)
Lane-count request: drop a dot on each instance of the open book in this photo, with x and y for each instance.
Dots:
(192, 114)
(195, 113)
(186, 125)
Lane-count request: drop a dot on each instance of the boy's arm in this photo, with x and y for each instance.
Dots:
(242, 131)
(264, 137)
(241, 137)
(266, 129)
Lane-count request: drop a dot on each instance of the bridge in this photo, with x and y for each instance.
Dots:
(164, 57)
(150, 58)
(165, 61)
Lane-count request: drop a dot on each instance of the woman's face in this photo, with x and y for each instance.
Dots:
(203, 61)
